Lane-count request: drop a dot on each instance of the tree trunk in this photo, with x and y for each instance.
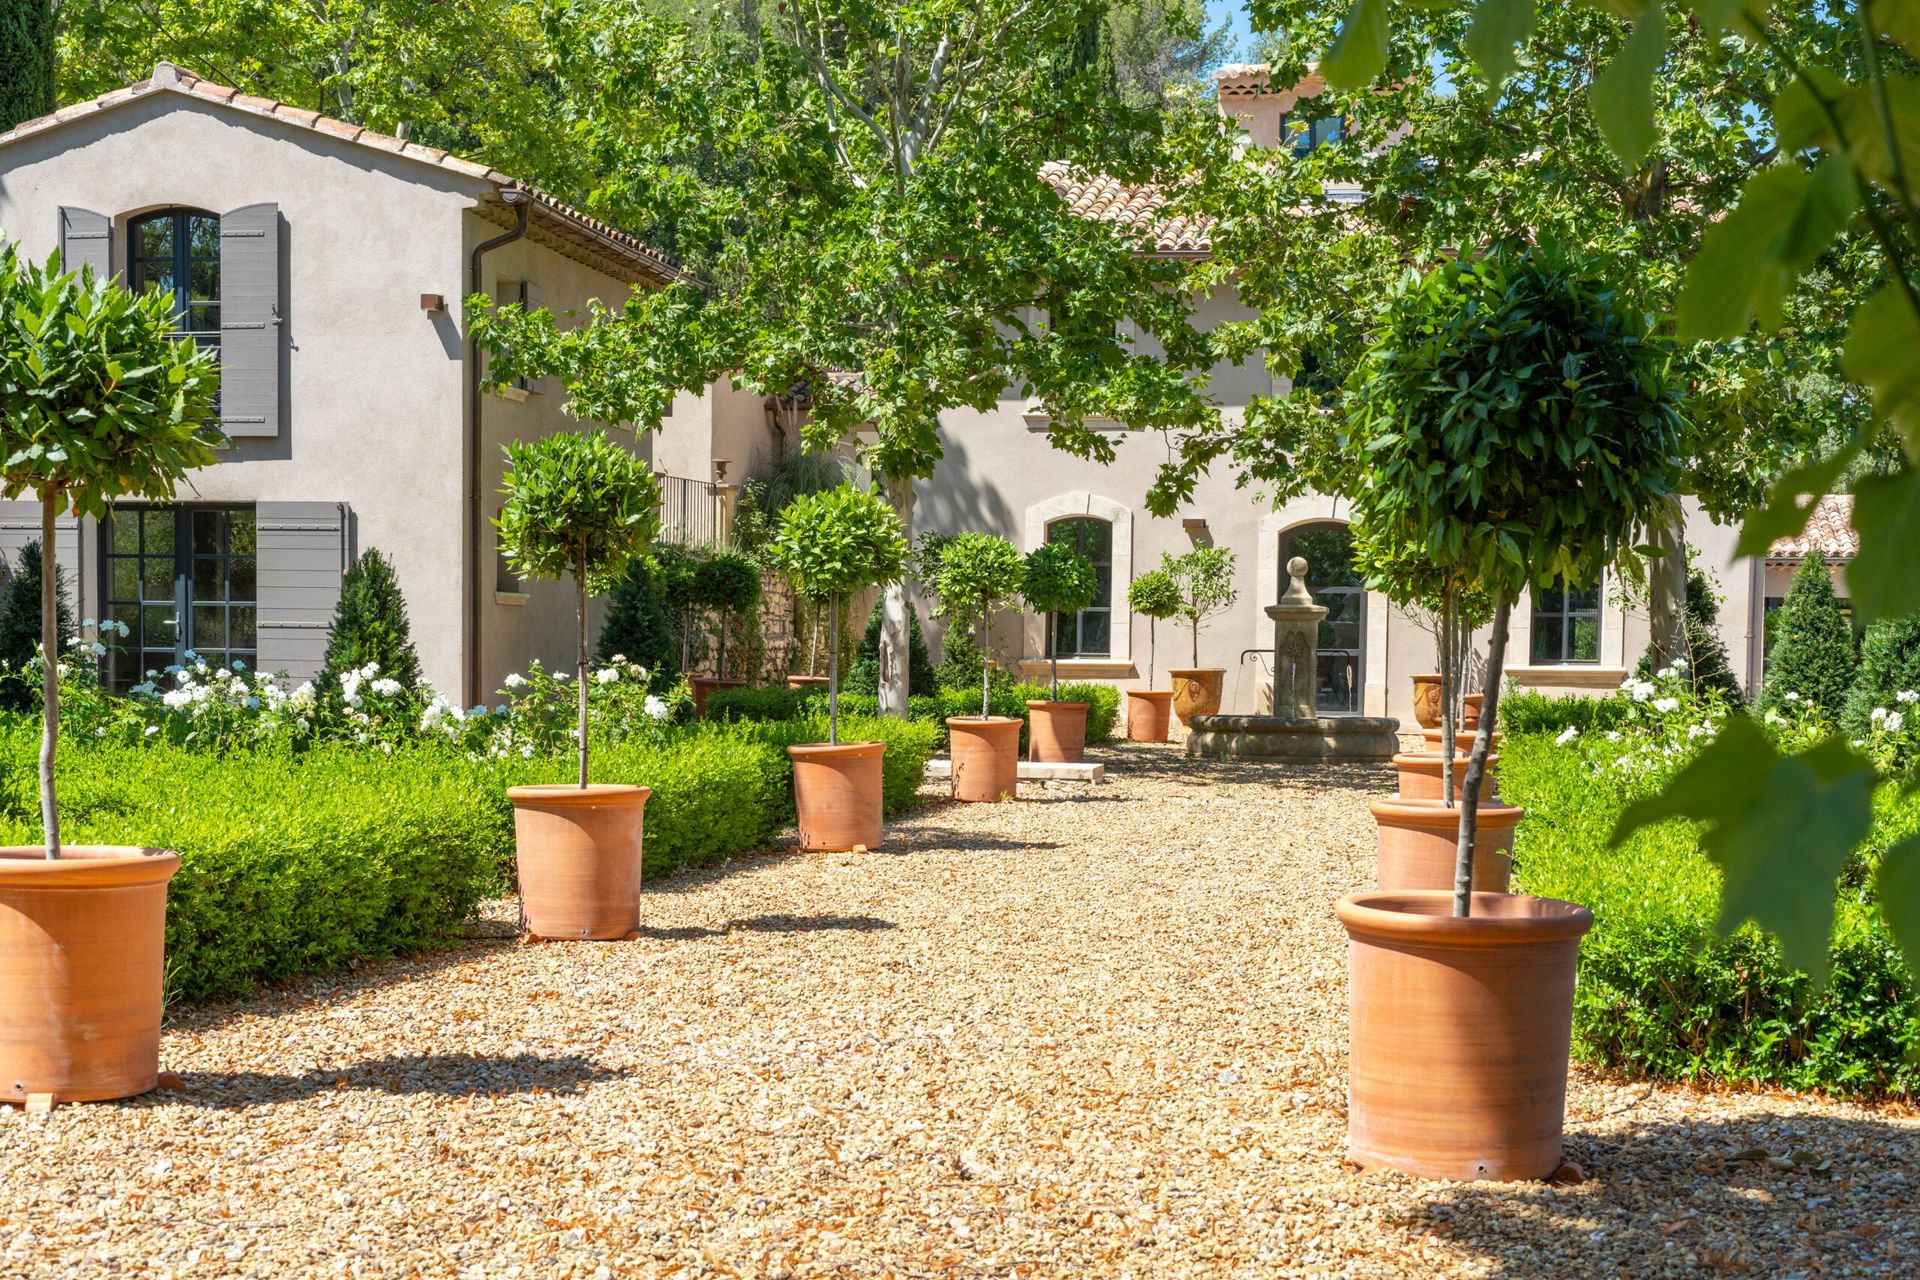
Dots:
(1053, 657)
(894, 667)
(1450, 646)
(1477, 759)
(50, 676)
(1667, 587)
(986, 632)
(833, 673)
(580, 582)
(1152, 646)
(1196, 640)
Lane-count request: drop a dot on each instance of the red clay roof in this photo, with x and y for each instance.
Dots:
(585, 233)
(1829, 533)
(1135, 207)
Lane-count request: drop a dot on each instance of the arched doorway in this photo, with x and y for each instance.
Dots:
(1336, 584)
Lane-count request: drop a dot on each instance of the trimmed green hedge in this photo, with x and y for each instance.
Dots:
(1531, 712)
(773, 703)
(909, 745)
(1659, 994)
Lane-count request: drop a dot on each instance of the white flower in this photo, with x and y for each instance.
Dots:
(150, 730)
(1679, 664)
(222, 674)
(1877, 714)
(86, 622)
(1894, 721)
(145, 689)
(1641, 690)
(515, 680)
(1664, 705)
(1792, 696)
(1613, 735)
(97, 649)
(1567, 735)
(60, 669)
(606, 675)
(526, 752)
(1906, 695)
(619, 658)
(655, 707)
(387, 686)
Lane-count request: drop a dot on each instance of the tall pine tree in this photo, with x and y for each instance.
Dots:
(370, 625)
(639, 625)
(26, 60)
(20, 627)
(1814, 654)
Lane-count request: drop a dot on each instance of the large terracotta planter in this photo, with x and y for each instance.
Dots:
(82, 965)
(986, 757)
(578, 850)
(806, 682)
(1196, 691)
(1458, 1032)
(1462, 740)
(701, 686)
(1470, 711)
(1149, 714)
(1426, 701)
(837, 790)
(1418, 839)
(1056, 732)
(1420, 776)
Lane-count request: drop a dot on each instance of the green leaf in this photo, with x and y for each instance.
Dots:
(1898, 886)
(1882, 343)
(1359, 52)
(1499, 27)
(1750, 259)
(1882, 579)
(1622, 94)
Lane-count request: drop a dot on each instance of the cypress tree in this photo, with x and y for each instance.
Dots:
(20, 627)
(639, 626)
(1814, 654)
(370, 625)
(26, 60)
(1889, 666)
(865, 676)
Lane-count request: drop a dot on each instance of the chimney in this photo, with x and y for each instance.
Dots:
(1247, 98)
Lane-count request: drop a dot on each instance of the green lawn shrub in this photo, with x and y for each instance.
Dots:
(1525, 711)
(910, 744)
(771, 703)
(1659, 994)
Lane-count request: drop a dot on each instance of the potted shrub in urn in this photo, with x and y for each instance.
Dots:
(833, 544)
(1154, 595)
(100, 398)
(728, 584)
(1204, 577)
(1058, 580)
(580, 505)
(1513, 423)
(975, 573)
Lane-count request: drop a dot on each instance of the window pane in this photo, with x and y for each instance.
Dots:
(240, 580)
(244, 626)
(1329, 555)
(209, 627)
(203, 317)
(1546, 638)
(1103, 586)
(159, 625)
(203, 236)
(157, 524)
(156, 578)
(206, 533)
(204, 279)
(125, 578)
(1583, 597)
(154, 238)
(1095, 628)
(1584, 640)
(155, 660)
(1549, 599)
(125, 527)
(240, 526)
(209, 579)
(158, 277)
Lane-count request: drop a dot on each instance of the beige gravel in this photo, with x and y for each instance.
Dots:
(1096, 1033)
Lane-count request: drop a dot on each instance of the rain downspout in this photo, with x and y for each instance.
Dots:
(521, 204)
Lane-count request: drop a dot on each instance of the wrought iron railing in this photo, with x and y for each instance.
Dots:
(687, 511)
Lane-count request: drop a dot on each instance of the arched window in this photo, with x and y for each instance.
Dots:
(1088, 633)
(177, 251)
(1334, 583)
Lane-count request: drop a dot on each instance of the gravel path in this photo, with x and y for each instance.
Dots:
(1097, 1033)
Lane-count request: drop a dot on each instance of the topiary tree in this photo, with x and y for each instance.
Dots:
(865, 676)
(1155, 596)
(728, 583)
(974, 572)
(1204, 577)
(1058, 580)
(100, 398)
(577, 503)
(832, 544)
(1813, 653)
(20, 626)
(637, 625)
(1889, 674)
(1513, 423)
(370, 625)
(677, 571)
(1709, 669)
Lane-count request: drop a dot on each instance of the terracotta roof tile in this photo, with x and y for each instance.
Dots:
(1829, 533)
(1135, 207)
(576, 228)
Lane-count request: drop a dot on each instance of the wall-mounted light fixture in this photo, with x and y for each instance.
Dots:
(1197, 531)
(433, 302)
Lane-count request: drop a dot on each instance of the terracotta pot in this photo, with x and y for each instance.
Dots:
(1458, 1032)
(1149, 712)
(1196, 691)
(578, 854)
(701, 686)
(1470, 711)
(1462, 740)
(986, 757)
(1426, 701)
(1420, 775)
(806, 682)
(837, 789)
(1056, 732)
(82, 963)
(1419, 838)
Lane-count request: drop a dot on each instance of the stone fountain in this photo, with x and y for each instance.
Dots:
(1296, 730)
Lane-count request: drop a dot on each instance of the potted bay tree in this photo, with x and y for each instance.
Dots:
(578, 505)
(1155, 596)
(1204, 578)
(974, 574)
(101, 398)
(831, 545)
(1514, 423)
(1058, 580)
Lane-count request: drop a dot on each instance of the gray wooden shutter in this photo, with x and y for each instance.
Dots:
(20, 524)
(86, 239)
(302, 554)
(250, 329)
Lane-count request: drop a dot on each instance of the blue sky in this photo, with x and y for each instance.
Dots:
(1236, 13)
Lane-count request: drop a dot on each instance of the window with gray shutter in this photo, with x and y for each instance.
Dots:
(302, 550)
(250, 329)
(86, 238)
(20, 524)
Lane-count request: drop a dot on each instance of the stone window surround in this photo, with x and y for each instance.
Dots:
(1033, 627)
(1275, 527)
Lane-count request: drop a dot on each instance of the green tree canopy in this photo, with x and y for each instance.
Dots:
(1058, 580)
(1812, 663)
(1204, 578)
(972, 575)
(370, 625)
(26, 60)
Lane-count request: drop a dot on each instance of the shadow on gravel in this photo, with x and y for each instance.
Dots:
(1762, 1195)
(932, 839)
(447, 1074)
(772, 924)
(1172, 764)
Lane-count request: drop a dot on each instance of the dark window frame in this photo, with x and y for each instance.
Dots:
(179, 260)
(1565, 616)
(1065, 629)
(191, 556)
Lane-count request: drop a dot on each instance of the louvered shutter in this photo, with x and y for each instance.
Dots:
(250, 329)
(302, 555)
(86, 239)
(20, 524)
